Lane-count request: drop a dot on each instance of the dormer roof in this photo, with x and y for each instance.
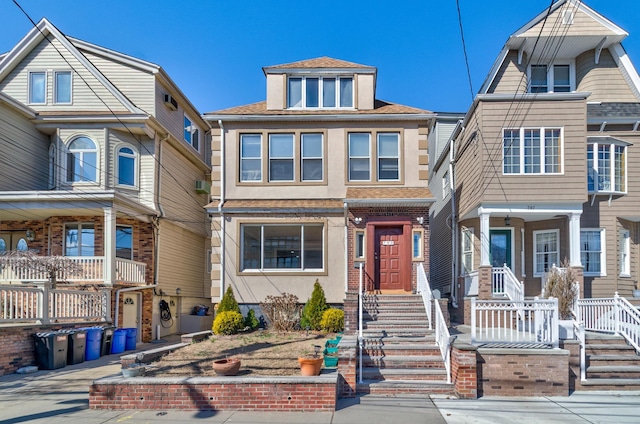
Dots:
(321, 64)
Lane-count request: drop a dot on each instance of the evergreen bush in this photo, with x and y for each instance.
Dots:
(228, 322)
(250, 320)
(332, 320)
(228, 302)
(314, 308)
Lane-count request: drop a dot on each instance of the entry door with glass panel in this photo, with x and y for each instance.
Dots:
(500, 248)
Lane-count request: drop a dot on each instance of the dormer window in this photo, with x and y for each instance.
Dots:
(550, 78)
(320, 92)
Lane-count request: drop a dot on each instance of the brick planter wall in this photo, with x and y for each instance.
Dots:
(464, 370)
(523, 372)
(347, 364)
(303, 394)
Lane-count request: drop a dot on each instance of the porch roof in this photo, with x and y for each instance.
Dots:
(279, 206)
(389, 196)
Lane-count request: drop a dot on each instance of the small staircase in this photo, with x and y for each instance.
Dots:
(400, 356)
(611, 363)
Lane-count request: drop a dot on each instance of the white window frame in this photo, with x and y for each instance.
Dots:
(79, 226)
(535, 252)
(82, 153)
(194, 133)
(551, 77)
(302, 267)
(338, 91)
(250, 158)
(291, 158)
(133, 156)
(44, 94)
(603, 251)
(446, 185)
(467, 251)
(542, 157)
(359, 245)
(420, 233)
(595, 164)
(303, 157)
(55, 87)
(625, 253)
(380, 156)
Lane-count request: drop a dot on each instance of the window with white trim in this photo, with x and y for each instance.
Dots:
(82, 159)
(592, 251)
(418, 246)
(191, 133)
(546, 251)
(467, 250)
(37, 88)
(126, 171)
(250, 157)
(607, 168)
(359, 245)
(276, 247)
(79, 240)
(310, 92)
(62, 87)
(388, 157)
(532, 151)
(556, 78)
(446, 185)
(311, 157)
(281, 159)
(625, 253)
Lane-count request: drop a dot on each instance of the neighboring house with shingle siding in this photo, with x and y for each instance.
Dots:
(99, 157)
(319, 178)
(546, 160)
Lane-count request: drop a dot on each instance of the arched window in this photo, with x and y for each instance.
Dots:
(126, 166)
(82, 160)
(22, 245)
(3, 246)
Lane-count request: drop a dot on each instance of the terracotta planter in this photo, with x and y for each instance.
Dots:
(310, 366)
(226, 366)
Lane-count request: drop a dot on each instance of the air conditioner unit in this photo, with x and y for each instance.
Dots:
(203, 187)
(170, 102)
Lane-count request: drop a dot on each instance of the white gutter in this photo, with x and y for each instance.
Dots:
(327, 117)
(128, 289)
(222, 199)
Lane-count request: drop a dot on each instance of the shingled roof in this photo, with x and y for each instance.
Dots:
(319, 62)
(611, 110)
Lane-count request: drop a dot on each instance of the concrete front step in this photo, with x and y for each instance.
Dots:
(615, 360)
(395, 374)
(404, 387)
(395, 323)
(395, 316)
(424, 349)
(402, 361)
(602, 338)
(610, 384)
(609, 349)
(382, 340)
(614, 372)
(395, 332)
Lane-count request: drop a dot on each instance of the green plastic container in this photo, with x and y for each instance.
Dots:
(330, 361)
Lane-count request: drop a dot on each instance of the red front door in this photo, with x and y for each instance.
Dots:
(388, 258)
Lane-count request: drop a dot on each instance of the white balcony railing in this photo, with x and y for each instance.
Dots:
(91, 270)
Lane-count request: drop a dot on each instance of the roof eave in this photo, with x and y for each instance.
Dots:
(341, 117)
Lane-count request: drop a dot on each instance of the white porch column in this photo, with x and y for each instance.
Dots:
(574, 239)
(109, 245)
(484, 238)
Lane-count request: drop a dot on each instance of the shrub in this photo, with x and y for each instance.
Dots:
(314, 308)
(332, 320)
(283, 312)
(228, 302)
(228, 322)
(561, 285)
(250, 320)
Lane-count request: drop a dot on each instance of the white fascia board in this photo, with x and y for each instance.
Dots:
(24, 46)
(271, 211)
(18, 106)
(622, 60)
(387, 202)
(511, 97)
(166, 80)
(341, 117)
(131, 61)
(61, 195)
(494, 70)
(320, 71)
(548, 208)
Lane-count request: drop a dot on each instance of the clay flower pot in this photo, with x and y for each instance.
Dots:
(229, 366)
(310, 366)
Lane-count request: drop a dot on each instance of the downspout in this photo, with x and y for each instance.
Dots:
(454, 222)
(346, 248)
(127, 290)
(222, 199)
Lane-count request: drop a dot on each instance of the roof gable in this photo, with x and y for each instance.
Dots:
(320, 62)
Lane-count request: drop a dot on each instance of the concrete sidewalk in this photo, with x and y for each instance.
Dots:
(61, 396)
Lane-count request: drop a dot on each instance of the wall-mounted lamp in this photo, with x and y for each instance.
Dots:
(178, 291)
(30, 235)
(357, 220)
(507, 220)
(420, 220)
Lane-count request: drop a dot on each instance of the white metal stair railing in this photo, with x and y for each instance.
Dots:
(443, 338)
(360, 339)
(505, 284)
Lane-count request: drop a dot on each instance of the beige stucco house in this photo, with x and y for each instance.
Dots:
(317, 179)
(103, 159)
(544, 164)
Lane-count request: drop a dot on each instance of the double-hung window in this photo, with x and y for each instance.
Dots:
(250, 157)
(62, 87)
(607, 167)
(359, 157)
(546, 251)
(320, 92)
(467, 250)
(550, 78)
(281, 157)
(625, 253)
(592, 251)
(388, 157)
(311, 147)
(82, 160)
(532, 151)
(191, 133)
(282, 247)
(79, 240)
(384, 156)
(37, 87)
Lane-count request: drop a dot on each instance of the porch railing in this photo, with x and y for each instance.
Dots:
(44, 305)
(524, 323)
(505, 284)
(92, 270)
(443, 338)
(611, 315)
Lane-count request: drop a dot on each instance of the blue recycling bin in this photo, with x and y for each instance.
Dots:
(93, 343)
(130, 340)
(118, 340)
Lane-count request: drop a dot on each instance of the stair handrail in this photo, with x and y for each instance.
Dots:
(628, 321)
(360, 338)
(443, 338)
(578, 328)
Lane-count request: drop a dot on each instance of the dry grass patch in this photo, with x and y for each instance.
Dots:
(261, 353)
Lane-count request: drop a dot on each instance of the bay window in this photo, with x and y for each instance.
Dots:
(606, 166)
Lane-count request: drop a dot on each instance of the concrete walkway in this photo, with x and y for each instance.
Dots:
(61, 396)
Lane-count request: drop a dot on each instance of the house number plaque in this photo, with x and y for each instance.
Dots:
(388, 242)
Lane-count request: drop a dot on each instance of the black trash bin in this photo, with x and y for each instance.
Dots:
(107, 338)
(76, 346)
(51, 350)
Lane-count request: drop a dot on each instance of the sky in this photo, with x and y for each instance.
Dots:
(214, 50)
